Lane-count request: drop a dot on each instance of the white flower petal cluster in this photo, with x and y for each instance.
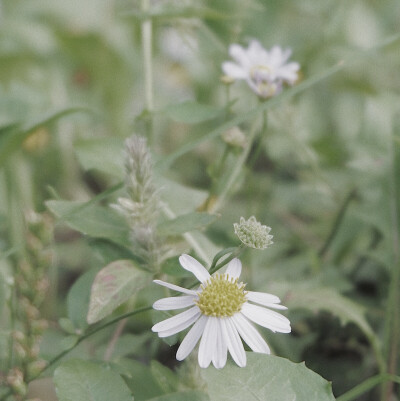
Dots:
(264, 71)
(221, 313)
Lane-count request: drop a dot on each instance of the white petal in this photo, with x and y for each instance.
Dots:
(221, 351)
(179, 327)
(178, 320)
(234, 268)
(262, 298)
(175, 287)
(208, 342)
(233, 341)
(191, 338)
(233, 70)
(250, 335)
(174, 302)
(239, 54)
(266, 318)
(195, 267)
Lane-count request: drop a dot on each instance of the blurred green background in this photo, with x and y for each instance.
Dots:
(322, 180)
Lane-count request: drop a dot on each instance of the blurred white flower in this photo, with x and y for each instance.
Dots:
(221, 311)
(264, 71)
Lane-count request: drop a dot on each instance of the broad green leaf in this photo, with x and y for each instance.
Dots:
(93, 220)
(12, 138)
(78, 380)
(103, 154)
(266, 377)
(192, 112)
(187, 222)
(191, 395)
(78, 299)
(113, 285)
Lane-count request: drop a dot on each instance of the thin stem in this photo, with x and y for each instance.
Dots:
(337, 222)
(367, 385)
(392, 314)
(91, 333)
(117, 334)
(147, 31)
(230, 182)
(236, 253)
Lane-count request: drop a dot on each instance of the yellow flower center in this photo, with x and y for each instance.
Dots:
(221, 296)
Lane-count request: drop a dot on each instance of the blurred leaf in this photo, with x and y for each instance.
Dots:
(172, 267)
(164, 376)
(78, 299)
(181, 199)
(191, 395)
(187, 222)
(128, 344)
(141, 381)
(103, 154)
(93, 220)
(181, 12)
(266, 377)
(12, 138)
(78, 380)
(113, 285)
(317, 299)
(192, 144)
(191, 112)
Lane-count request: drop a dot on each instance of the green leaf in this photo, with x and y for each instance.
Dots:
(93, 220)
(164, 376)
(187, 222)
(191, 395)
(325, 298)
(113, 285)
(190, 112)
(102, 154)
(266, 377)
(12, 138)
(78, 380)
(79, 297)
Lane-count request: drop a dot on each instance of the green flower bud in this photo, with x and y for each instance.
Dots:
(252, 233)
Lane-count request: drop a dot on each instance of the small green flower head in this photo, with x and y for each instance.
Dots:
(252, 233)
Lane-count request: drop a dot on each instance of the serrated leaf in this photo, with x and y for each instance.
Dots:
(78, 380)
(113, 285)
(266, 377)
(102, 154)
(93, 220)
(191, 112)
(185, 223)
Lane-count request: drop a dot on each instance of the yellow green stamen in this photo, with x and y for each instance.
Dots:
(221, 296)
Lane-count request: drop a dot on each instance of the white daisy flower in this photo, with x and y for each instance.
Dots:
(222, 312)
(265, 71)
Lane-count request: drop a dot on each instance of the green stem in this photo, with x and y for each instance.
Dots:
(147, 31)
(337, 222)
(367, 385)
(236, 253)
(392, 326)
(91, 333)
(230, 182)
